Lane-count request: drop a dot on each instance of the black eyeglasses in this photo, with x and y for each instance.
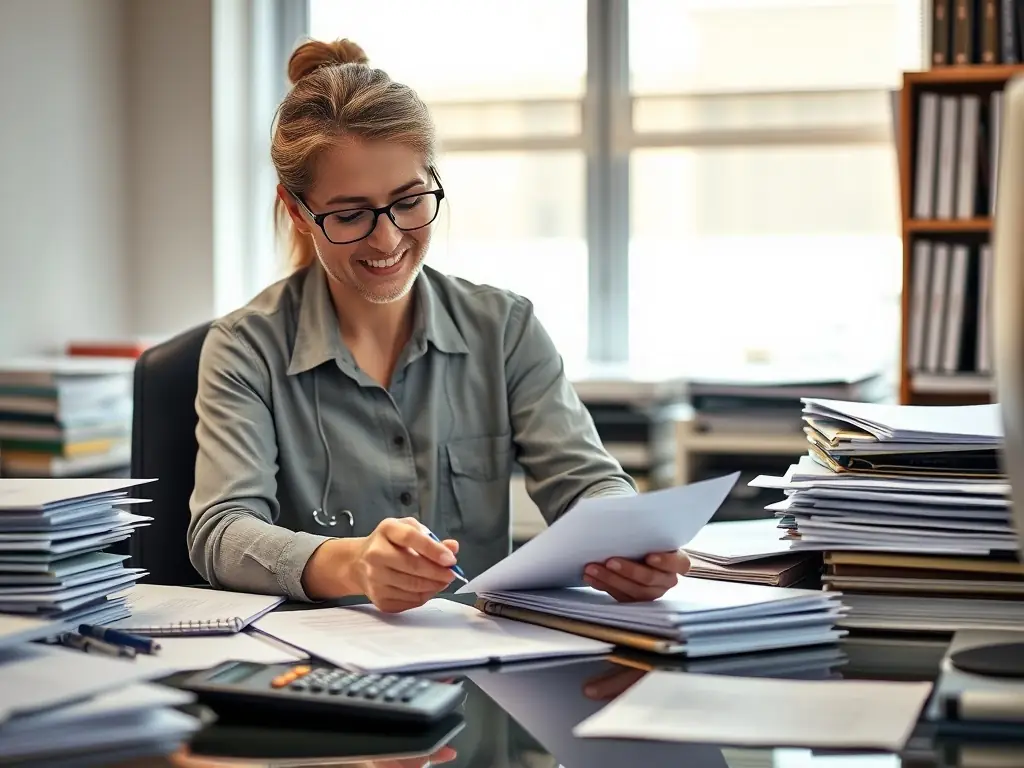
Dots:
(351, 225)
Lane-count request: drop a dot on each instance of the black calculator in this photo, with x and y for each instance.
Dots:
(314, 690)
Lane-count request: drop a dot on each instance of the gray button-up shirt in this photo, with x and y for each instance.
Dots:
(293, 436)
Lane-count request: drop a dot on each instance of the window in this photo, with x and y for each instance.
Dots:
(764, 194)
(716, 176)
(506, 94)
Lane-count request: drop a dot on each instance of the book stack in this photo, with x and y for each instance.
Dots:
(65, 416)
(52, 536)
(912, 511)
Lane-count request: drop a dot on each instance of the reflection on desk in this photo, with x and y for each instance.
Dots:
(520, 728)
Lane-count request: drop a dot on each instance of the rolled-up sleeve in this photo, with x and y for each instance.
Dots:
(232, 539)
(557, 445)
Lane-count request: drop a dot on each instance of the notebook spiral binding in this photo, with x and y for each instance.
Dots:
(207, 627)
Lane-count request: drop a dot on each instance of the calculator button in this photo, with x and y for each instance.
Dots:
(299, 685)
(301, 670)
(372, 692)
(281, 681)
(393, 692)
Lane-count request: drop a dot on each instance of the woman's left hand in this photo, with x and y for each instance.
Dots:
(629, 581)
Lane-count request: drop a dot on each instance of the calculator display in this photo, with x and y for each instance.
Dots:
(236, 673)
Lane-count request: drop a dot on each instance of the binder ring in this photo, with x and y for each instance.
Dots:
(330, 519)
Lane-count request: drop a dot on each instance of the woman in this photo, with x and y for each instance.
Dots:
(367, 396)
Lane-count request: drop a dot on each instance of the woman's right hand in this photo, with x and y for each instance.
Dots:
(397, 567)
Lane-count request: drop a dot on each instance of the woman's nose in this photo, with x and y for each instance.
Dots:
(385, 236)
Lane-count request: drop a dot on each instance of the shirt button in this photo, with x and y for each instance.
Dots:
(398, 440)
(405, 498)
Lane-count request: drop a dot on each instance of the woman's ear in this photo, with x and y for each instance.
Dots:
(299, 221)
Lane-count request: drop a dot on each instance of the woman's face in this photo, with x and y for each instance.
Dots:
(383, 266)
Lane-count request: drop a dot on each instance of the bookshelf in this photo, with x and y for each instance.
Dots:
(947, 146)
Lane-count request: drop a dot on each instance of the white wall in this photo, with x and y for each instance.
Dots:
(106, 170)
(63, 181)
(170, 156)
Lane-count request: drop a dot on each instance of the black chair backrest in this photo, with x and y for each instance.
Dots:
(164, 447)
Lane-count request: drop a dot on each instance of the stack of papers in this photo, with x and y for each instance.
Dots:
(697, 617)
(58, 704)
(52, 533)
(750, 551)
(919, 485)
(541, 583)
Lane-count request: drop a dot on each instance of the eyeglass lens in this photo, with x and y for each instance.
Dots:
(408, 213)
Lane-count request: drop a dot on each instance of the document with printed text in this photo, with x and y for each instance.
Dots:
(441, 634)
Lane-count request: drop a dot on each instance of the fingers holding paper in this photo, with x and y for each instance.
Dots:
(630, 581)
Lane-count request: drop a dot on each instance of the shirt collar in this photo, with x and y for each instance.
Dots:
(318, 338)
(433, 317)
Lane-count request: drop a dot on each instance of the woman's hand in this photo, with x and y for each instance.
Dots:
(397, 567)
(629, 581)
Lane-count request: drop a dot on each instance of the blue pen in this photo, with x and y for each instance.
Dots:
(455, 568)
(115, 636)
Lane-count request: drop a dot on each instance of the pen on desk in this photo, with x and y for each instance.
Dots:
(117, 637)
(455, 568)
(92, 645)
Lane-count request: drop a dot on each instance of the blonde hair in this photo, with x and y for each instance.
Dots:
(336, 94)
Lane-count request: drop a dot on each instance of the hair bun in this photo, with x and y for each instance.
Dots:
(314, 54)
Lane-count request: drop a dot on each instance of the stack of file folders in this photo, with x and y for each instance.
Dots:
(750, 551)
(60, 706)
(696, 618)
(912, 511)
(52, 536)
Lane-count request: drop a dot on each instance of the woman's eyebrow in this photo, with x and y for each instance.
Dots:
(397, 191)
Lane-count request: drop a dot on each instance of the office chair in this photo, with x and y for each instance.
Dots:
(164, 447)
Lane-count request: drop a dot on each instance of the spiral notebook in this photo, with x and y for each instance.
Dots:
(164, 611)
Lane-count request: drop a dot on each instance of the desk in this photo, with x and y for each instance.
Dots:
(492, 738)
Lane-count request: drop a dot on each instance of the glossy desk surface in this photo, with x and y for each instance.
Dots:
(522, 715)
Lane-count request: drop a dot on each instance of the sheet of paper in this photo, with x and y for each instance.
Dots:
(754, 712)
(39, 676)
(40, 493)
(599, 528)
(972, 421)
(738, 541)
(438, 635)
(548, 701)
(184, 654)
(27, 582)
(158, 608)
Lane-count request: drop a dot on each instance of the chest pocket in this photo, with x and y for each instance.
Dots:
(474, 486)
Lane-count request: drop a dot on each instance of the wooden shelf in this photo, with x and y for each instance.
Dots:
(964, 74)
(979, 79)
(947, 226)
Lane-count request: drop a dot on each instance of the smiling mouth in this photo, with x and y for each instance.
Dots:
(387, 263)
(384, 266)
